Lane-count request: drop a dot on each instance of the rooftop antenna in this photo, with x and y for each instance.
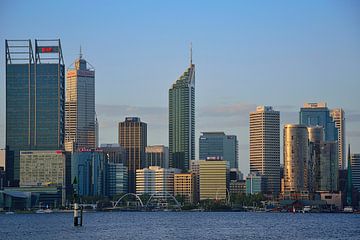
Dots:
(190, 53)
(80, 53)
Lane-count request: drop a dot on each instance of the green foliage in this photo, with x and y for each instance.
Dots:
(247, 200)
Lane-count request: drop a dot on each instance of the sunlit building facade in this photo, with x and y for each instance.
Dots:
(338, 116)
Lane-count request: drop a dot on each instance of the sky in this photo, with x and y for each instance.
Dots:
(247, 53)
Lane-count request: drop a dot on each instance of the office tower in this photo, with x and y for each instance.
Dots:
(114, 153)
(88, 168)
(338, 116)
(116, 179)
(316, 137)
(254, 183)
(214, 178)
(35, 99)
(155, 180)
(157, 155)
(2, 159)
(184, 187)
(80, 129)
(42, 168)
(182, 120)
(355, 170)
(296, 154)
(265, 146)
(133, 138)
(96, 132)
(349, 184)
(329, 166)
(237, 187)
(217, 144)
(317, 114)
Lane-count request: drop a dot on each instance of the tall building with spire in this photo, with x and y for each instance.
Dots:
(80, 122)
(35, 94)
(182, 119)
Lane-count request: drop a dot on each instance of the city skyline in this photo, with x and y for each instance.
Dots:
(231, 63)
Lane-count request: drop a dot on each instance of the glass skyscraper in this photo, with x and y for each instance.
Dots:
(317, 114)
(182, 120)
(35, 95)
(218, 144)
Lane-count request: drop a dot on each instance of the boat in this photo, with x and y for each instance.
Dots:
(9, 213)
(348, 209)
(306, 209)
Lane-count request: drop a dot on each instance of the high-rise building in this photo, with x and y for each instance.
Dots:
(80, 106)
(184, 187)
(88, 168)
(182, 120)
(355, 170)
(214, 178)
(318, 114)
(316, 137)
(217, 144)
(329, 166)
(296, 155)
(114, 153)
(116, 179)
(133, 138)
(157, 155)
(38, 168)
(265, 146)
(155, 180)
(35, 100)
(2, 159)
(338, 116)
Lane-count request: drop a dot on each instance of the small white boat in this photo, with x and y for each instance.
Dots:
(9, 213)
(40, 211)
(348, 209)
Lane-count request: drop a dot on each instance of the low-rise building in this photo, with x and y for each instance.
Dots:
(184, 184)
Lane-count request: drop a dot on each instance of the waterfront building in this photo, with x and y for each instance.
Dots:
(116, 179)
(42, 168)
(318, 114)
(88, 172)
(184, 184)
(133, 138)
(338, 116)
(355, 170)
(155, 179)
(329, 167)
(113, 153)
(157, 155)
(296, 155)
(316, 137)
(80, 129)
(254, 183)
(237, 187)
(195, 170)
(214, 178)
(182, 120)
(218, 144)
(265, 146)
(35, 100)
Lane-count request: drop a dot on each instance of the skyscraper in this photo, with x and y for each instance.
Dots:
(35, 99)
(329, 166)
(317, 114)
(338, 116)
(133, 138)
(217, 144)
(316, 137)
(296, 155)
(265, 146)
(182, 120)
(355, 168)
(80, 129)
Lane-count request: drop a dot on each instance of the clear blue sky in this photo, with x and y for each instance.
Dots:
(247, 53)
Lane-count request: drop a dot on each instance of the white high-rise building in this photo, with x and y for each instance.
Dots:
(80, 129)
(338, 117)
(265, 146)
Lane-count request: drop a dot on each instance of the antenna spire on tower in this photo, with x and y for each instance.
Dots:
(190, 53)
(80, 53)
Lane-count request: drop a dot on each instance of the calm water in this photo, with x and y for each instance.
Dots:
(184, 225)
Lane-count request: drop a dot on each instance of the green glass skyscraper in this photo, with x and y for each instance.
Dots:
(182, 120)
(35, 100)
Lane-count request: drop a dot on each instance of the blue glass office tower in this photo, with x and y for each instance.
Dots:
(182, 120)
(35, 95)
(317, 114)
(218, 144)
